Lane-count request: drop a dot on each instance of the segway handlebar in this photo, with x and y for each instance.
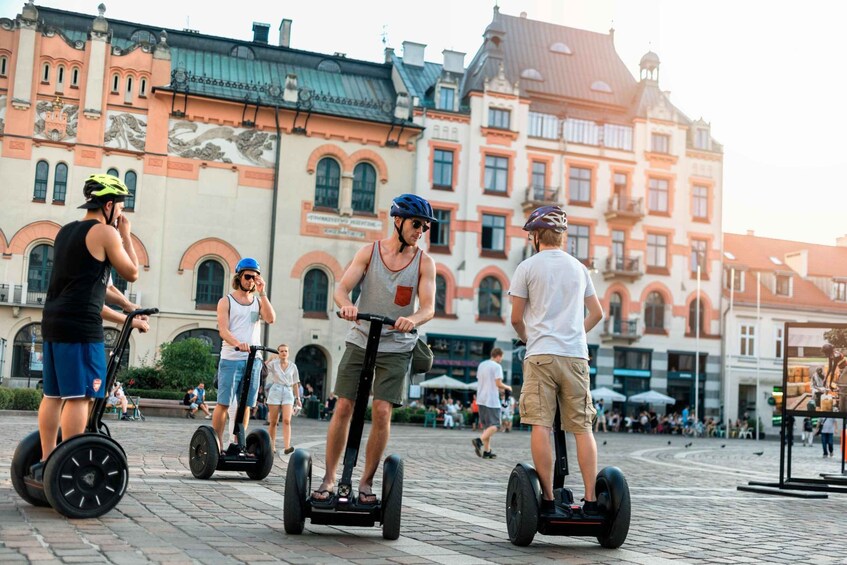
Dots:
(142, 312)
(254, 348)
(385, 320)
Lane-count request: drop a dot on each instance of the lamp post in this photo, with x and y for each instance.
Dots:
(697, 348)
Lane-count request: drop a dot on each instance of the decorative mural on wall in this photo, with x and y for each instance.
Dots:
(210, 142)
(56, 120)
(126, 131)
(2, 112)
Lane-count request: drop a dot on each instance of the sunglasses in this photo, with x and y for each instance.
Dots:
(417, 224)
(249, 277)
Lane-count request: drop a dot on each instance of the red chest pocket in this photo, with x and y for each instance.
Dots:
(403, 296)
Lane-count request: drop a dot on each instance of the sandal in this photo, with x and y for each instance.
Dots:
(366, 499)
(324, 494)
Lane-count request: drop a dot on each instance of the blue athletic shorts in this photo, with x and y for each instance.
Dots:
(230, 374)
(74, 370)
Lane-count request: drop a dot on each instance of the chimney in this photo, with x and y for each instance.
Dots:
(389, 53)
(523, 15)
(285, 33)
(290, 94)
(454, 61)
(413, 53)
(260, 32)
(841, 241)
(751, 233)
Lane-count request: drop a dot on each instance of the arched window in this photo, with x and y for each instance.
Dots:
(490, 298)
(692, 316)
(616, 311)
(654, 312)
(75, 76)
(45, 73)
(440, 295)
(60, 182)
(210, 284)
(242, 52)
(4, 65)
(142, 88)
(110, 338)
(364, 188)
(119, 282)
(114, 172)
(27, 354)
(143, 36)
(128, 91)
(327, 183)
(130, 181)
(42, 171)
(60, 78)
(38, 275)
(210, 337)
(315, 292)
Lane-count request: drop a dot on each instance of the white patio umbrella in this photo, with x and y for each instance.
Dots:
(651, 397)
(607, 395)
(444, 382)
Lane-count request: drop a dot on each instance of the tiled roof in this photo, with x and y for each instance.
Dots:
(417, 79)
(753, 254)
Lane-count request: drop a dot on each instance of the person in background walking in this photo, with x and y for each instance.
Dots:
(827, 427)
(489, 376)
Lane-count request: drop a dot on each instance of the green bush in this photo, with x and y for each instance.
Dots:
(185, 363)
(144, 377)
(26, 399)
(6, 398)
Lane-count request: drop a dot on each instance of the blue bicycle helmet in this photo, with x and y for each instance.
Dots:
(547, 218)
(248, 264)
(412, 206)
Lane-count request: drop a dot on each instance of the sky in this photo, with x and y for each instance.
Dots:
(767, 75)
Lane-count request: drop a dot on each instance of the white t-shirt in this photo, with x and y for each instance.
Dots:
(487, 393)
(277, 375)
(555, 286)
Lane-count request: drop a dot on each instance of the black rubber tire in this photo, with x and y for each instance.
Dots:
(522, 509)
(392, 497)
(613, 499)
(86, 476)
(203, 452)
(26, 455)
(259, 443)
(298, 486)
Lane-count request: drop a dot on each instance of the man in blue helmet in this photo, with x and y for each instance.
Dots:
(239, 313)
(551, 293)
(393, 272)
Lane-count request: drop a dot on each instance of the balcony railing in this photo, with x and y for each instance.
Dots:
(36, 298)
(622, 267)
(541, 195)
(625, 208)
(620, 330)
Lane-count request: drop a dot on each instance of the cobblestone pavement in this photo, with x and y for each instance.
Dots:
(685, 506)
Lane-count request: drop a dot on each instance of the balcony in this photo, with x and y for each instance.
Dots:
(620, 331)
(622, 268)
(536, 196)
(625, 209)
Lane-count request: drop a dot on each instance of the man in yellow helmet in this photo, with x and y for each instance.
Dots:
(72, 326)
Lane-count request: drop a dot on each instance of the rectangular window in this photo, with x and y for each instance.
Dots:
(617, 137)
(498, 118)
(496, 173)
(747, 335)
(578, 239)
(658, 195)
(783, 285)
(539, 175)
(701, 139)
(493, 233)
(579, 184)
(439, 233)
(442, 169)
(543, 125)
(657, 250)
(700, 202)
(632, 359)
(621, 182)
(445, 98)
(778, 343)
(698, 255)
(582, 131)
(737, 282)
(660, 143)
(839, 291)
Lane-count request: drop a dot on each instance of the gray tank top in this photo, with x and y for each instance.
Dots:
(388, 293)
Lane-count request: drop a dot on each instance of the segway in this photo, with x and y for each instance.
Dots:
(253, 455)
(523, 503)
(342, 508)
(85, 476)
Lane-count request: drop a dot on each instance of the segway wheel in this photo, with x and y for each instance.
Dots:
(613, 499)
(521, 507)
(203, 452)
(298, 485)
(259, 444)
(26, 455)
(392, 497)
(86, 476)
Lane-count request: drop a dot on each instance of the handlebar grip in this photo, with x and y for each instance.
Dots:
(146, 312)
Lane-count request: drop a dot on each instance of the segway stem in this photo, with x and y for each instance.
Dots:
(238, 426)
(112, 367)
(560, 469)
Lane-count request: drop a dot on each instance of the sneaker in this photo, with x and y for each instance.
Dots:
(187, 415)
(489, 455)
(477, 445)
(590, 507)
(125, 418)
(209, 417)
(191, 416)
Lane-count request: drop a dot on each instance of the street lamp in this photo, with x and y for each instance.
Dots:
(697, 347)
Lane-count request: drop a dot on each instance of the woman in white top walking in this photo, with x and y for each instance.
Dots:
(283, 386)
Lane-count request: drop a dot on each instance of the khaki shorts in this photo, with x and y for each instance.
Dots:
(389, 382)
(551, 377)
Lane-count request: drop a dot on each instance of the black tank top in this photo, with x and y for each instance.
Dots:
(77, 291)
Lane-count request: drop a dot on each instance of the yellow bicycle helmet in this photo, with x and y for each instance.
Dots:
(100, 189)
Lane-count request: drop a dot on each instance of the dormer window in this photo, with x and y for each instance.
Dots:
(601, 86)
(561, 48)
(839, 291)
(143, 36)
(783, 285)
(531, 74)
(242, 52)
(446, 96)
(701, 139)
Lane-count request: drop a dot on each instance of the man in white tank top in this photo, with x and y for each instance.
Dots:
(239, 314)
(393, 271)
